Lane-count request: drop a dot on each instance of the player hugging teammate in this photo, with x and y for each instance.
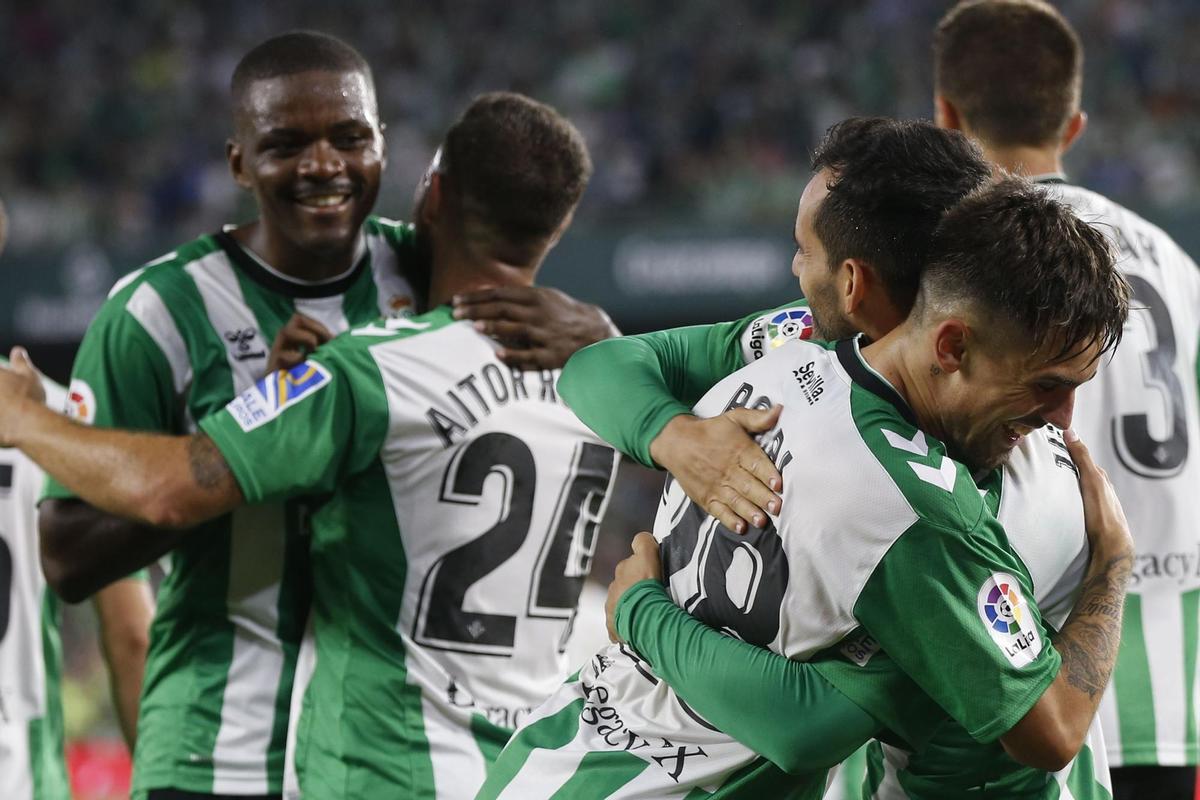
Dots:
(379, 515)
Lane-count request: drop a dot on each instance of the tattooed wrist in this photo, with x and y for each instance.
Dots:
(208, 466)
(1089, 641)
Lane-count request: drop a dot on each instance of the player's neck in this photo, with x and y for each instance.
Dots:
(455, 273)
(298, 262)
(1026, 161)
(896, 357)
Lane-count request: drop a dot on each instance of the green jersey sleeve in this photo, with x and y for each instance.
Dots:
(121, 379)
(302, 430)
(955, 612)
(754, 695)
(627, 389)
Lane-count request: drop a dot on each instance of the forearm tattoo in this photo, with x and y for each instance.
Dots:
(1089, 641)
(209, 468)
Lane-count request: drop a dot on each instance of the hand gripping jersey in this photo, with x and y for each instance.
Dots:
(1141, 419)
(31, 727)
(176, 341)
(462, 502)
(897, 540)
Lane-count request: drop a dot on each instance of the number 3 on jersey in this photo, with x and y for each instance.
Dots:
(1138, 450)
(564, 558)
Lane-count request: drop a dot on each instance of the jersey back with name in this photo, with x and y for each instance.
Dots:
(1140, 418)
(462, 516)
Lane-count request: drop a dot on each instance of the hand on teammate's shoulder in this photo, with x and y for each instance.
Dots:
(538, 327)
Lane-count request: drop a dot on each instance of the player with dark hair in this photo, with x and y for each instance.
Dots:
(1009, 73)
(460, 499)
(660, 375)
(617, 700)
(178, 340)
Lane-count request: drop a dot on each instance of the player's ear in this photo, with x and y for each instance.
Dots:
(561, 229)
(854, 281)
(950, 339)
(233, 155)
(429, 207)
(945, 114)
(1076, 125)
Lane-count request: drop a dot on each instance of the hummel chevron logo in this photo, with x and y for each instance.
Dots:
(917, 445)
(943, 477)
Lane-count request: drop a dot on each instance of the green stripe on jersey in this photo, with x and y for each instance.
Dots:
(1082, 782)
(599, 774)
(550, 733)
(1131, 684)
(48, 766)
(1191, 608)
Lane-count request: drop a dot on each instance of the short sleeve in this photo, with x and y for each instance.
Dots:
(302, 430)
(121, 379)
(954, 610)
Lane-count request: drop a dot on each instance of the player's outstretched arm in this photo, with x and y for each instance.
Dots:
(750, 693)
(125, 610)
(1052, 732)
(84, 549)
(163, 481)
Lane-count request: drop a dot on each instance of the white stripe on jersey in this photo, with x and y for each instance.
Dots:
(388, 275)
(895, 761)
(150, 311)
(530, 782)
(306, 662)
(326, 310)
(458, 765)
(255, 570)
(227, 311)
(1106, 716)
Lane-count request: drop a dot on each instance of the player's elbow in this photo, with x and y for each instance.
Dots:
(163, 508)
(1044, 741)
(1051, 755)
(68, 573)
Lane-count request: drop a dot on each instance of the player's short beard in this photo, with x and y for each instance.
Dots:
(828, 324)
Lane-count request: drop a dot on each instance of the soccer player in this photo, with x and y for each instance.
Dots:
(32, 765)
(176, 341)
(525, 783)
(1009, 74)
(460, 499)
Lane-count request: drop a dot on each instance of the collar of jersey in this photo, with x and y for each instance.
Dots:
(849, 355)
(1049, 177)
(274, 281)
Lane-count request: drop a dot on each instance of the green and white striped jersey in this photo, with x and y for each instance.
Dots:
(462, 503)
(1141, 419)
(1036, 498)
(900, 542)
(176, 341)
(31, 725)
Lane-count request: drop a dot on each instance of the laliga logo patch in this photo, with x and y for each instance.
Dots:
(1009, 621)
(795, 323)
(81, 402)
(268, 398)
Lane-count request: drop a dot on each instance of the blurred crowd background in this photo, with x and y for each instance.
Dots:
(700, 117)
